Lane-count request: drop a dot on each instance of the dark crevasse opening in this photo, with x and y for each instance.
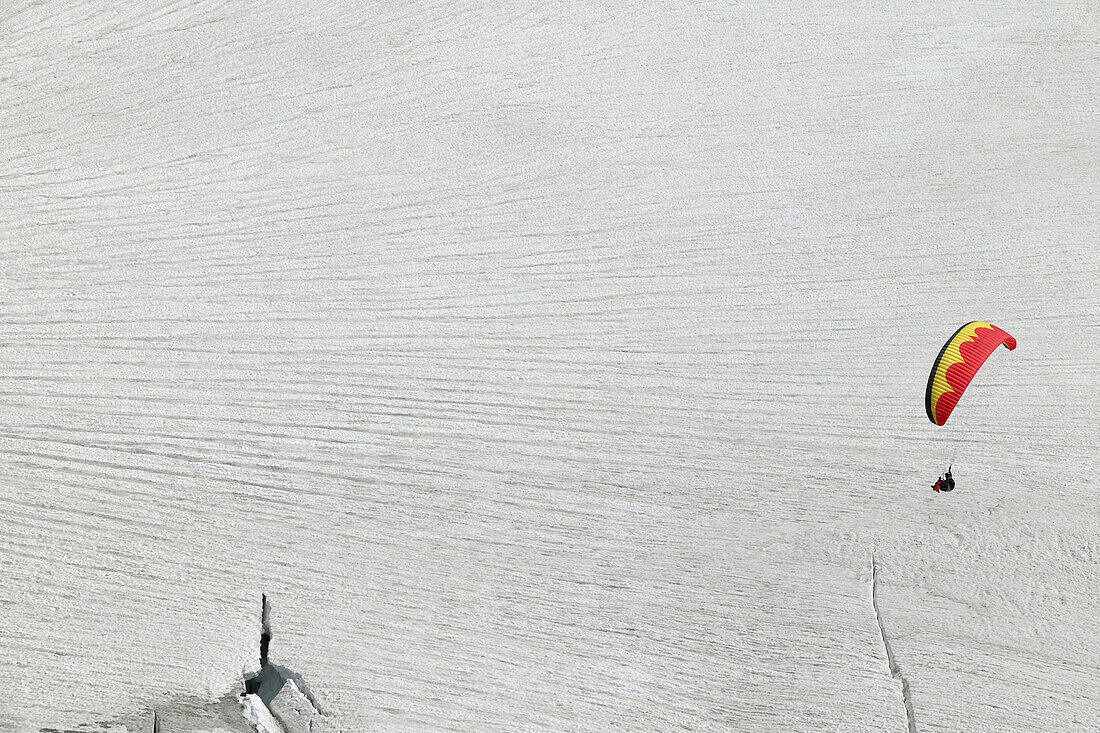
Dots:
(272, 678)
(267, 682)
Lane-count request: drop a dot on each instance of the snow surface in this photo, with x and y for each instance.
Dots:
(550, 366)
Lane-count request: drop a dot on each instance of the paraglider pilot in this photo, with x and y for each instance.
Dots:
(945, 482)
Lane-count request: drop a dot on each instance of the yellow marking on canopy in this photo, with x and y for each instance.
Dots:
(952, 355)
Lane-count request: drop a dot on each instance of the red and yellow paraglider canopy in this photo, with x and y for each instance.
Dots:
(958, 362)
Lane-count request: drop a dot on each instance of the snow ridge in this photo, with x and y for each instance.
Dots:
(895, 670)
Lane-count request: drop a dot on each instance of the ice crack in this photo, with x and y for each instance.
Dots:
(277, 699)
(895, 669)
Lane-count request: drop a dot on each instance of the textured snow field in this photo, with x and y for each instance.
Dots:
(552, 367)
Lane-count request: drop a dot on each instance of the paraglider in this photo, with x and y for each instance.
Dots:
(955, 366)
(957, 363)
